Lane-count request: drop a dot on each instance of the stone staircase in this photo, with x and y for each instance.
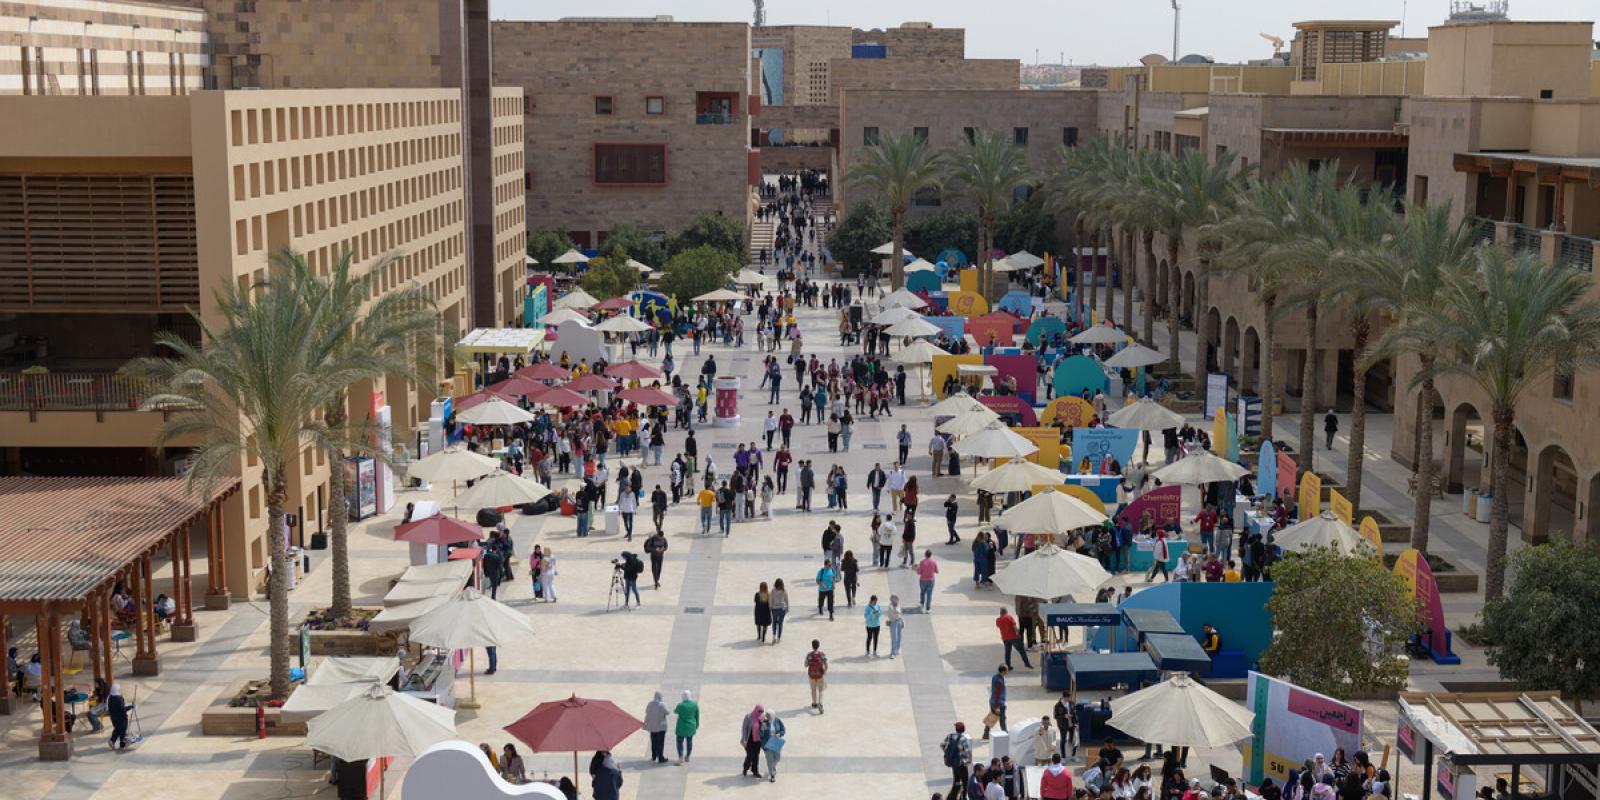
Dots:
(762, 235)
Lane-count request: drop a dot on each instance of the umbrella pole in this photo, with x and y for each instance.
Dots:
(575, 782)
(472, 679)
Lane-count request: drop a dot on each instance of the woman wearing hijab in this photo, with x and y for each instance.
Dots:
(750, 740)
(655, 722)
(772, 733)
(117, 707)
(608, 780)
(688, 714)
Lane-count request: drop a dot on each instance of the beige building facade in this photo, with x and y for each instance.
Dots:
(71, 47)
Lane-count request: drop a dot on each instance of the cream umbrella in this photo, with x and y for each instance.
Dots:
(1180, 712)
(954, 404)
(920, 265)
(577, 298)
(916, 326)
(1007, 265)
(452, 464)
(902, 297)
(380, 722)
(1100, 334)
(749, 277)
(501, 489)
(970, 422)
(887, 249)
(1025, 259)
(572, 256)
(1134, 356)
(922, 352)
(890, 316)
(1051, 572)
(642, 267)
(561, 315)
(531, 261)
(466, 622)
(720, 296)
(1202, 467)
(1145, 415)
(1017, 476)
(1050, 512)
(622, 323)
(494, 411)
(1324, 530)
(996, 441)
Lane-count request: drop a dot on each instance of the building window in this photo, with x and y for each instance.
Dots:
(869, 136)
(715, 108)
(970, 134)
(920, 134)
(1021, 193)
(1069, 137)
(622, 164)
(1562, 390)
(527, 105)
(927, 198)
(655, 105)
(602, 105)
(1419, 189)
(1019, 136)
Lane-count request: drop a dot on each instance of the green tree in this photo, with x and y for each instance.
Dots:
(1507, 325)
(606, 278)
(987, 169)
(711, 230)
(625, 241)
(895, 168)
(1251, 246)
(1028, 226)
(865, 225)
(694, 272)
(1144, 220)
(943, 230)
(1543, 633)
(1340, 624)
(544, 246)
(1204, 192)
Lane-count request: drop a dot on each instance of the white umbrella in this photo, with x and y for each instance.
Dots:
(1007, 265)
(380, 722)
(1051, 572)
(531, 261)
(577, 298)
(1017, 476)
(749, 277)
(470, 620)
(452, 464)
(887, 249)
(501, 489)
(572, 256)
(1134, 356)
(642, 267)
(902, 297)
(1050, 512)
(970, 422)
(622, 323)
(1324, 530)
(916, 326)
(1100, 334)
(921, 351)
(720, 296)
(920, 265)
(996, 442)
(1202, 467)
(561, 315)
(1178, 711)
(954, 404)
(1145, 415)
(1025, 259)
(494, 411)
(890, 316)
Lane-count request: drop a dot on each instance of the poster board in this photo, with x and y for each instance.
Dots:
(1043, 328)
(1291, 726)
(1267, 471)
(966, 303)
(1166, 503)
(1216, 393)
(1048, 440)
(1369, 531)
(1077, 373)
(1098, 444)
(1310, 497)
(996, 329)
(1343, 509)
(1073, 412)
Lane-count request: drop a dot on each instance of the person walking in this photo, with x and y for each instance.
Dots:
(1161, 554)
(658, 507)
(873, 614)
(950, 508)
(656, 547)
(903, 440)
(763, 601)
(655, 723)
(850, 571)
(1330, 426)
(707, 498)
(778, 601)
(750, 740)
(892, 618)
(927, 568)
(896, 482)
(817, 673)
(957, 747)
(688, 714)
(808, 480)
(997, 701)
(1010, 637)
(548, 573)
(772, 741)
(825, 580)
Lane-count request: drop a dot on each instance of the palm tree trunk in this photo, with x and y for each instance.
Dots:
(1422, 511)
(1092, 287)
(278, 584)
(1202, 319)
(1362, 326)
(338, 517)
(1110, 239)
(1081, 241)
(1268, 341)
(1149, 288)
(897, 270)
(1174, 288)
(1494, 581)
(1308, 394)
(1129, 278)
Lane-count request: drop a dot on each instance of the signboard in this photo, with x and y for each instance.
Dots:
(965, 302)
(362, 482)
(991, 329)
(1014, 409)
(1369, 531)
(1043, 328)
(1070, 411)
(1406, 739)
(1286, 470)
(1413, 568)
(1023, 368)
(1048, 440)
(1291, 726)
(1099, 444)
(1216, 392)
(1267, 471)
(1249, 413)
(1166, 503)
(1342, 508)
(305, 647)
(1074, 375)
(1017, 302)
(1310, 497)
(1219, 432)
(952, 327)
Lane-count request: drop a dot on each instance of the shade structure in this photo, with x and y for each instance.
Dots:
(647, 396)
(890, 316)
(1145, 415)
(577, 298)
(1134, 356)
(632, 371)
(1025, 259)
(573, 725)
(887, 249)
(439, 530)
(1050, 572)
(380, 722)
(976, 369)
(720, 296)
(970, 422)
(1324, 530)
(921, 351)
(1050, 512)
(1179, 711)
(493, 341)
(561, 315)
(915, 326)
(452, 464)
(1007, 265)
(517, 386)
(1017, 476)
(1202, 467)
(639, 265)
(544, 371)
(501, 489)
(470, 619)
(622, 324)
(572, 256)
(954, 404)
(558, 397)
(591, 383)
(617, 303)
(996, 441)
(1100, 334)
(494, 411)
(920, 265)
(530, 261)
(749, 277)
(902, 297)
(399, 617)
(335, 681)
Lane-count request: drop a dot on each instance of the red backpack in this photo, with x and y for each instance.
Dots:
(816, 665)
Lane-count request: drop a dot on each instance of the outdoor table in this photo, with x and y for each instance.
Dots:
(1176, 652)
(1143, 556)
(1105, 670)
(1150, 620)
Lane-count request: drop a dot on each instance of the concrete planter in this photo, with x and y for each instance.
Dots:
(348, 643)
(1389, 530)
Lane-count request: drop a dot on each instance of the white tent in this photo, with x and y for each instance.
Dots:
(572, 256)
(1178, 711)
(622, 324)
(530, 260)
(749, 277)
(969, 422)
(1025, 259)
(995, 442)
(400, 617)
(1007, 265)
(887, 249)
(1202, 467)
(455, 463)
(433, 573)
(1050, 512)
(380, 722)
(921, 351)
(1145, 415)
(720, 296)
(1134, 356)
(890, 316)
(902, 297)
(920, 265)
(491, 341)
(1324, 530)
(577, 298)
(561, 315)
(1017, 476)
(1100, 334)
(494, 411)
(501, 489)
(642, 267)
(954, 404)
(916, 326)
(1051, 572)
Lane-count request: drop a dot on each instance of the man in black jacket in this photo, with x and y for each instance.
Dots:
(656, 547)
(876, 479)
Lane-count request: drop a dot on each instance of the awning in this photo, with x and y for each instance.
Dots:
(430, 581)
(1545, 166)
(492, 341)
(1176, 652)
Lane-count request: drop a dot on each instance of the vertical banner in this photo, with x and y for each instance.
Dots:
(1219, 431)
(1342, 508)
(1232, 453)
(1216, 392)
(1286, 470)
(1413, 567)
(1165, 503)
(1291, 726)
(1310, 497)
(1267, 470)
(1369, 531)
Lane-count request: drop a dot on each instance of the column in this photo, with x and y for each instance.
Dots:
(108, 658)
(54, 744)
(1455, 449)
(183, 627)
(5, 685)
(146, 662)
(217, 598)
(1540, 494)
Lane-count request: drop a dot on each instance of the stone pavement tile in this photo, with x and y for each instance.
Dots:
(791, 785)
(27, 784)
(180, 784)
(839, 732)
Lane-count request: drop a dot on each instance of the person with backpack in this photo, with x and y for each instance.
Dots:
(817, 673)
(957, 747)
(825, 579)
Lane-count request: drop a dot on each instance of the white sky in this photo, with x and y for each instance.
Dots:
(1110, 32)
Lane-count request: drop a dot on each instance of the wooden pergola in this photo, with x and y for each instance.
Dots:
(65, 545)
(1555, 170)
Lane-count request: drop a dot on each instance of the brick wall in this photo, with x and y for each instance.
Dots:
(924, 73)
(286, 44)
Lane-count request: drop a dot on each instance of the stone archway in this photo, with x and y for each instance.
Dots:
(1466, 433)
(1551, 503)
(1186, 307)
(1230, 351)
(1163, 287)
(1250, 364)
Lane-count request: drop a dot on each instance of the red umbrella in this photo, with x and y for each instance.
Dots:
(633, 371)
(438, 530)
(517, 386)
(591, 383)
(617, 303)
(558, 396)
(575, 724)
(544, 371)
(473, 399)
(648, 397)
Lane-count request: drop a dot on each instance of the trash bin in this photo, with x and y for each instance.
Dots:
(613, 520)
(1469, 503)
(1485, 500)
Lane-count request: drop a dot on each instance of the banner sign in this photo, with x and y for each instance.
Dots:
(1099, 444)
(1286, 470)
(1369, 531)
(1310, 497)
(1070, 411)
(1216, 393)
(1291, 726)
(1165, 503)
(1267, 471)
(1342, 508)
(1412, 567)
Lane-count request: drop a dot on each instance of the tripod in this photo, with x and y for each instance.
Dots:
(615, 596)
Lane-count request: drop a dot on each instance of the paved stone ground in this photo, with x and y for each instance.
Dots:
(885, 717)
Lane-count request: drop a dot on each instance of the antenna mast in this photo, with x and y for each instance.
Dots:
(761, 12)
(1175, 10)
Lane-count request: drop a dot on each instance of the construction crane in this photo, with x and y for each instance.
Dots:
(1277, 42)
(761, 12)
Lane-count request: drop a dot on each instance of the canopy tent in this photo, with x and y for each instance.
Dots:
(902, 297)
(572, 256)
(1051, 572)
(493, 341)
(1007, 265)
(468, 621)
(1050, 512)
(577, 298)
(915, 326)
(454, 463)
(1017, 476)
(1025, 259)
(749, 277)
(1179, 711)
(887, 249)
(494, 411)
(954, 404)
(1202, 467)
(1134, 356)
(1324, 530)
(720, 296)
(501, 489)
(380, 722)
(1100, 334)
(433, 573)
(968, 423)
(890, 316)
(996, 441)
(1145, 415)
(530, 261)
(561, 315)
(406, 592)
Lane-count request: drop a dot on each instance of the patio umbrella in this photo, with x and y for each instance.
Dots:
(970, 422)
(439, 530)
(720, 296)
(517, 386)
(1007, 265)
(466, 622)
(494, 411)
(920, 265)
(591, 383)
(1100, 334)
(749, 277)
(915, 326)
(544, 371)
(558, 397)
(1324, 530)
(572, 256)
(647, 396)
(921, 352)
(1180, 712)
(530, 261)
(1145, 415)
(1134, 356)
(573, 725)
(638, 265)
(576, 299)
(902, 297)
(618, 303)
(378, 723)
(632, 371)
(1025, 259)
(501, 489)
(1051, 572)
(1202, 467)
(887, 249)
(561, 315)
(452, 464)
(954, 404)
(890, 316)
(622, 324)
(1017, 476)
(1050, 512)
(996, 441)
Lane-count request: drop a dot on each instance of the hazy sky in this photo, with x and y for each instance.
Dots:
(1086, 31)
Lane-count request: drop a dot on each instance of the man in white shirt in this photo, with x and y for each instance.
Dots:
(769, 426)
(897, 486)
(599, 479)
(936, 451)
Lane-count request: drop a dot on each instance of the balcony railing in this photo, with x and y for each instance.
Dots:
(1577, 251)
(1484, 230)
(69, 391)
(714, 118)
(1525, 239)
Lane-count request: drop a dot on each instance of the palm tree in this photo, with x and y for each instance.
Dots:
(898, 166)
(1506, 325)
(988, 168)
(393, 334)
(1252, 245)
(1205, 192)
(1145, 220)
